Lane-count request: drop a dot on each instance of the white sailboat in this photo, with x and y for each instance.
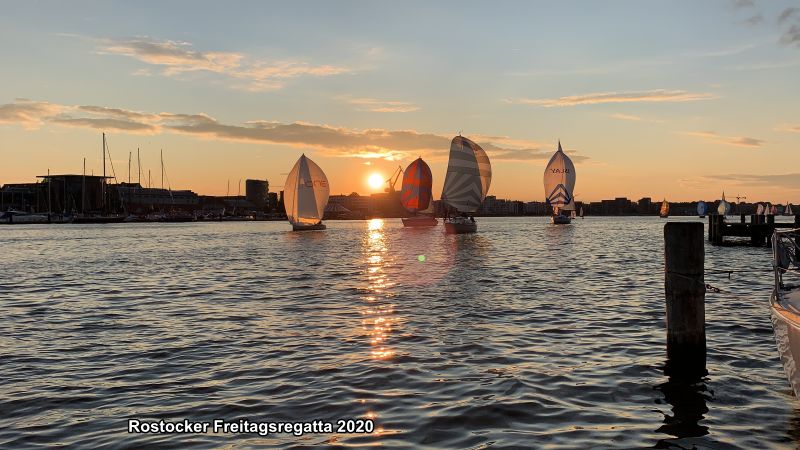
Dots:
(788, 210)
(724, 207)
(559, 184)
(760, 210)
(581, 213)
(469, 174)
(664, 211)
(305, 195)
(785, 301)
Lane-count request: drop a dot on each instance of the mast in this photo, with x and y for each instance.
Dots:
(103, 184)
(139, 165)
(49, 208)
(83, 188)
(149, 183)
(129, 166)
(162, 168)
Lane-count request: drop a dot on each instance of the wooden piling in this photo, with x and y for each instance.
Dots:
(684, 287)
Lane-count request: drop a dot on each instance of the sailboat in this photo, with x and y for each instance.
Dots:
(788, 210)
(305, 195)
(559, 183)
(701, 209)
(724, 207)
(760, 210)
(664, 211)
(415, 196)
(105, 217)
(581, 213)
(773, 210)
(469, 174)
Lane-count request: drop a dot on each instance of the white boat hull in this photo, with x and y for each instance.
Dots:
(460, 226)
(786, 325)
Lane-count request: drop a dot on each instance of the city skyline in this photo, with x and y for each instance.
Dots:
(679, 101)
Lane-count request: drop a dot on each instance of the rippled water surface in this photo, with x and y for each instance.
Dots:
(524, 334)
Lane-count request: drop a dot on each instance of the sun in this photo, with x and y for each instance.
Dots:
(375, 181)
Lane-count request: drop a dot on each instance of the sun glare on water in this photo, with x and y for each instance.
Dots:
(375, 181)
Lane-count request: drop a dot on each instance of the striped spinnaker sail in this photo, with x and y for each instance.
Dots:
(417, 182)
(305, 193)
(559, 180)
(469, 174)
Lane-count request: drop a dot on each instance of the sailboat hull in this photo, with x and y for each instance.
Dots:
(420, 221)
(460, 227)
(304, 227)
(561, 220)
(786, 325)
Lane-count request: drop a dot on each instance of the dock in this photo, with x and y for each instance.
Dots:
(758, 229)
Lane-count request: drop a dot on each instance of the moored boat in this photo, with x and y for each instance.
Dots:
(785, 301)
(305, 195)
(701, 209)
(469, 174)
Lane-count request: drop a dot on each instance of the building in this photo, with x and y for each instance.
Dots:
(256, 193)
(359, 205)
(140, 200)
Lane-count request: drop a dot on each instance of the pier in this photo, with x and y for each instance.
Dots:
(758, 229)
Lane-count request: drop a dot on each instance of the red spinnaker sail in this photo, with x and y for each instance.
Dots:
(417, 182)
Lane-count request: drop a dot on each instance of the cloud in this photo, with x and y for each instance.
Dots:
(785, 181)
(787, 14)
(788, 128)
(738, 141)
(335, 141)
(633, 118)
(28, 113)
(659, 95)
(374, 105)
(176, 58)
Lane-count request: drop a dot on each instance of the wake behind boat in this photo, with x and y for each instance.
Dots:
(785, 301)
(416, 194)
(559, 184)
(469, 174)
(305, 195)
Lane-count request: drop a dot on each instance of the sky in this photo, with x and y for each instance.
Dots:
(679, 100)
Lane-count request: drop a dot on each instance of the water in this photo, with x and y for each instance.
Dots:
(524, 334)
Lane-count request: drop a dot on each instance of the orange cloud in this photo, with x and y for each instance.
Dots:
(738, 141)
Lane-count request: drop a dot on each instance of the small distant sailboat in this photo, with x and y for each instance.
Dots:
(664, 211)
(788, 210)
(760, 210)
(469, 174)
(416, 194)
(724, 207)
(581, 213)
(701, 209)
(305, 195)
(559, 184)
(773, 210)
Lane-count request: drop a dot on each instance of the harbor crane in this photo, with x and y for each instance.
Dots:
(392, 181)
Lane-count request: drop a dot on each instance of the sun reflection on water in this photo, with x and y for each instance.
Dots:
(378, 314)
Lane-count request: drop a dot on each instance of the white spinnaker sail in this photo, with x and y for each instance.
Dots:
(469, 174)
(581, 213)
(305, 193)
(559, 180)
(760, 209)
(788, 210)
(723, 208)
(664, 208)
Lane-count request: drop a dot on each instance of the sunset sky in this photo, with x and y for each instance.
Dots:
(679, 99)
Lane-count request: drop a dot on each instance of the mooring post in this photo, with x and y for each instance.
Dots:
(684, 286)
(742, 218)
(797, 220)
(710, 228)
